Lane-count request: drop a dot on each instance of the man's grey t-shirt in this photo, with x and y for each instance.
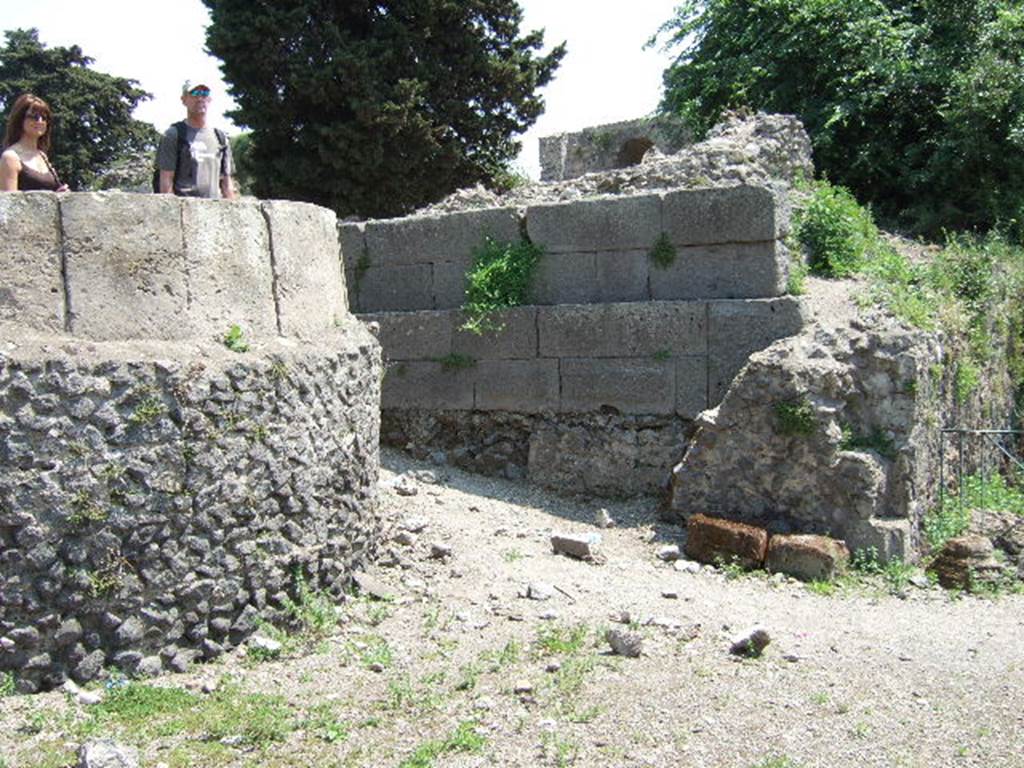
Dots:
(201, 164)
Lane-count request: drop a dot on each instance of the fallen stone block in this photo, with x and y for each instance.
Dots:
(713, 540)
(806, 557)
(107, 753)
(750, 643)
(625, 643)
(582, 546)
(965, 562)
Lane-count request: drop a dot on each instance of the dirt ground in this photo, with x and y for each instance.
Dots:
(462, 667)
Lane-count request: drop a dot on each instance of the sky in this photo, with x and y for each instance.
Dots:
(606, 76)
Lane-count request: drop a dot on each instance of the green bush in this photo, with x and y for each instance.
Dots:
(915, 105)
(499, 278)
(838, 234)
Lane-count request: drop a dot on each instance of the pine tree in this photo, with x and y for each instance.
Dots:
(375, 108)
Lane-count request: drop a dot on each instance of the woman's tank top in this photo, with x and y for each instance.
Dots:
(29, 179)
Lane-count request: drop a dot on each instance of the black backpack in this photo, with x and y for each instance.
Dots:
(180, 128)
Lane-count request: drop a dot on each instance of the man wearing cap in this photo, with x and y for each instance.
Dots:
(194, 159)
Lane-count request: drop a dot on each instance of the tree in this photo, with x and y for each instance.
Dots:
(916, 105)
(375, 108)
(93, 128)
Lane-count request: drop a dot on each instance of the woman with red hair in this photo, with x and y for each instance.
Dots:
(24, 164)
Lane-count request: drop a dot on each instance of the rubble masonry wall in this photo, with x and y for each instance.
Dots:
(161, 494)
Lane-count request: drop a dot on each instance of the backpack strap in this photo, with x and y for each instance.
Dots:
(223, 141)
(181, 130)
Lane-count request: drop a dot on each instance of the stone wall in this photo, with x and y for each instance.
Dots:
(834, 430)
(727, 243)
(604, 147)
(593, 385)
(162, 493)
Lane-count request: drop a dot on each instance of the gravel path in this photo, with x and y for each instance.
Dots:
(860, 678)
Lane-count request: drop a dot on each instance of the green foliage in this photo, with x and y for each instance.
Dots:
(895, 574)
(7, 684)
(875, 440)
(915, 105)
(148, 411)
(313, 611)
(456, 362)
(795, 417)
(952, 516)
(966, 381)
(837, 233)
(663, 253)
(322, 721)
(464, 739)
(555, 639)
(499, 278)
(93, 128)
(378, 108)
(234, 339)
(85, 510)
(241, 157)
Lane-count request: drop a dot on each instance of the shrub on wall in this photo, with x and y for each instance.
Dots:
(499, 278)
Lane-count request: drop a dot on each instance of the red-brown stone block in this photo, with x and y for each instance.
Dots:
(713, 540)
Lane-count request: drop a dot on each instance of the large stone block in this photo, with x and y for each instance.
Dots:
(517, 337)
(521, 386)
(712, 540)
(627, 385)
(643, 329)
(738, 214)
(564, 278)
(227, 257)
(449, 284)
(414, 335)
(428, 385)
(806, 557)
(606, 224)
(127, 275)
(691, 385)
(621, 276)
(436, 239)
(396, 289)
(728, 271)
(310, 285)
(32, 287)
(737, 329)
(352, 241)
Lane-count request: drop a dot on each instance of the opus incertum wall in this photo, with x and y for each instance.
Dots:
(159, 492)
(594, 385)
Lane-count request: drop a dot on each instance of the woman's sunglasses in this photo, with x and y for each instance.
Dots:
(37, 117)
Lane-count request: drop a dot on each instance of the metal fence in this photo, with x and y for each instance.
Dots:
(981, 452)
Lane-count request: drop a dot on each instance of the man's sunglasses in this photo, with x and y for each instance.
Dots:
(199, 92)
(37, 116)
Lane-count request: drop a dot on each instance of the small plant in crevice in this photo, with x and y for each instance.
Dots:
(794, 417)
(500, 278)
(662, 355)
(455, 362)
(663, 253)
(876, 440)
(148, 411)
(85, 510)
(966, 380)
(234, 339)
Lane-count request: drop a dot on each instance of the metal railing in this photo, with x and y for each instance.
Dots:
(996, 453)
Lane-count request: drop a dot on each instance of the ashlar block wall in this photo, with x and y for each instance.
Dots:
(612, 350)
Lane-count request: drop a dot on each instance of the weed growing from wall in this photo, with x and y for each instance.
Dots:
(234, 339)
(499, 278)
(794, 417)
(662, 254)
(456, 362)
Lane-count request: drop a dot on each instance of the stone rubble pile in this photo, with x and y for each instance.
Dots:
(742, 149)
